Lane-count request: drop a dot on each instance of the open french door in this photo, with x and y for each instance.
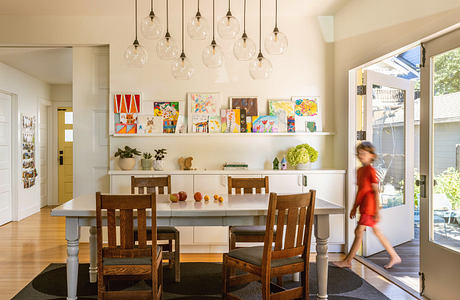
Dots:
(440, 168)
(388, 117)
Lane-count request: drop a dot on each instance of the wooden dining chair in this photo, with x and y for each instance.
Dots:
(248, 234)
(126, 259)
(293, 215)
(146, 185)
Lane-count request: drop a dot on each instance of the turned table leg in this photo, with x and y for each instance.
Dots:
(321, 235)
(92, 255)
(72, 235)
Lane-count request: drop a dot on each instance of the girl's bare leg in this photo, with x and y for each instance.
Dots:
(346, 263)
(394, 257)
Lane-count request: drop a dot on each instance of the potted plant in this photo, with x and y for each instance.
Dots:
(127, 160)
(301, 155)
(158, 164)
(146, 161)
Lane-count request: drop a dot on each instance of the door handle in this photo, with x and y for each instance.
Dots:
(305, 180)
(61, 160)
(422, 184)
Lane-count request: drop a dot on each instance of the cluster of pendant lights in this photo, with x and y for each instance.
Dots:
(228, 28)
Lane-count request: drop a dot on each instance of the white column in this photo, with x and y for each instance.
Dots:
(92, 255)
(72, 235)
(321, 234)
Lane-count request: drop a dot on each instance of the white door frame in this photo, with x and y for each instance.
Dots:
(439, 265)
(48, 104)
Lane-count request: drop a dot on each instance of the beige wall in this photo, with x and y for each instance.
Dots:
(61, 92)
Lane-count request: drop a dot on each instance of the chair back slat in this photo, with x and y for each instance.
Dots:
(280, 229)
(291, 227)
(247, 185)
(148, 185)
(126, 229)
(112, 225)
(142, 228)
(300, 228)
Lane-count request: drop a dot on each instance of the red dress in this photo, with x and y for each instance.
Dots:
(365, 198)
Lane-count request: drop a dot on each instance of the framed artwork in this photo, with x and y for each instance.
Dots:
(169, 125)
(202, 104)
(214, 124)
(167, 110)
(29, 171)
(200, 124)
(283, 109)
(265, 124)
(126, 107)
(231, 120)
(307, 114)
(248, 103)
(148, 124)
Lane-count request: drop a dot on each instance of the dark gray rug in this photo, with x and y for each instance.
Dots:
(198, 281)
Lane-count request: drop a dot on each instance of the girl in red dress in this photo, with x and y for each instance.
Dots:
(367, 199)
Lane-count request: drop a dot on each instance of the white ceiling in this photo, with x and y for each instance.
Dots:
(51, 65)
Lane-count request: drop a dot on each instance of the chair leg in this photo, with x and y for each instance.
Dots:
(170, 250)
(265, 287)
(176, 257)
(160, 279)
(225, 277)
(232, 241)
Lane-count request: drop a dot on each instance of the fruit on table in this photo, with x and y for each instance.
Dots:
(221, 199)
(206, 198)
(198, 196)
(174, 197)
(216, 197)
(182, 196)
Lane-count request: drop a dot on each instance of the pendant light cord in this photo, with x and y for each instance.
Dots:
(182, 26)
(213, 17)
(151, 5)
(198, 5)
(276, 13)
(260, 26)
(228, 5)
(135, 17)
(167, 16)
(244, 17)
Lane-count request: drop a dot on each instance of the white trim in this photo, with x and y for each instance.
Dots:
(26, 212)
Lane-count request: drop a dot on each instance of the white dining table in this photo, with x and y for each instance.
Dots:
(235, 210)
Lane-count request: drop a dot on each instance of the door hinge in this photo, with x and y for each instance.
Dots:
(361, 90)
(423, 58)
(422, 278)
(361, 135)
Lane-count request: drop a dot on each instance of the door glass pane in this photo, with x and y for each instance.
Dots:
(68, 135)
(388, 137)
(446, 150)
(68, 117)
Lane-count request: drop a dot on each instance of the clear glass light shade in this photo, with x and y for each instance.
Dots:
(228, 27)
(151, 27)
(244, 49)
(198, 28)
(276, 43)
(213, 56)
(136, 56)
(167, 48)
(182, 68)
(260, 68)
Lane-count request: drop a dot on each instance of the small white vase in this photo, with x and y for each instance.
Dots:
(158, 165)
(127, 163)
(303, 166)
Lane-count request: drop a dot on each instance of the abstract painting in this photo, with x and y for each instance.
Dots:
(204, 103)
(307, 114)
(200, 124)
(247, 103)
(167, 110)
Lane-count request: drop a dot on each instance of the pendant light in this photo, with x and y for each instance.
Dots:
(260, 67)
(182, 68)
(151, 26)
(276, 42)
(228, 27)
(244, 48)
(198, 27)
(167, 47)
(136, 55)
(213, 56)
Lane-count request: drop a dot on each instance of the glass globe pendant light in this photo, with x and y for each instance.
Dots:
(136, 55)
(213, 55)
(167, 47)
(260, 67)
(151, 26)
(182, 68)
(244, 48)
(276, 42)
(198, 27)
(229, 26)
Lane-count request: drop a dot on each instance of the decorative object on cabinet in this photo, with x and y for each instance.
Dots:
(29, 171)
(265, 124)
(127, 160)
(235, 166)
(284, 163)
(148, 124)
(276, 164)
(158, 163)
(185, 163)
(248, 103)
(202, 104)
(301, 155)
(146, 161)
(307, 114)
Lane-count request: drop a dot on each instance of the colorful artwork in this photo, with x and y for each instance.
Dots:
(265, 124)
(233, 120)
(214, 124)
(125, 128)
(247, 103)
(127, 103)
(29, 171)
(169, 126)
(167, 110)
(306, 106)
(223, 120)
(291, 124)
(243, 124)
(311, 126)
(275, 106)
(200, 124)
(148, 124)
(130, 119)
(248, 124)
(180, 126)
(204, 103)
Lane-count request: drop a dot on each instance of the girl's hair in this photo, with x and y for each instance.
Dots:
(366, 146)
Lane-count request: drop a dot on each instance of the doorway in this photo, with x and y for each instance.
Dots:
(65, 148)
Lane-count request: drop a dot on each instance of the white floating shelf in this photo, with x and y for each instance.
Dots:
(323, 133)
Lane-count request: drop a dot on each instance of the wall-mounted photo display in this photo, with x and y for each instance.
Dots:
(307, 114)
(249, 103)
(29, 171)
(202, 105)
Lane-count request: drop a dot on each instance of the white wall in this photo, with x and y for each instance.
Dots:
(29, 91)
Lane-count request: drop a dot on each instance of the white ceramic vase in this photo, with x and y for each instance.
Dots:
(127, 163)
(158, 165)
(303, 166)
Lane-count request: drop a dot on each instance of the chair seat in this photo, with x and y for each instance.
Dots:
(167, 229)
(115, 261)
(253, 255)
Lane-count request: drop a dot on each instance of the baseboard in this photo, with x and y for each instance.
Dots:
(24, 213)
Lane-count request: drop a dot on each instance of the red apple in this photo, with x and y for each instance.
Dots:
(198, 196)
(182, 196)
(174, 197)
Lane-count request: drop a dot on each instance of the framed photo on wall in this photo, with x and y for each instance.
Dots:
(249, 103)
(202, 105)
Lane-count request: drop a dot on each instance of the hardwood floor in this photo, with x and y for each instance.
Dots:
(28, 246)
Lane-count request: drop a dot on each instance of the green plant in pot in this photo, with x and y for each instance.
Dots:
(158, 163)
(301, 155)
(146, 161)
(126, 156)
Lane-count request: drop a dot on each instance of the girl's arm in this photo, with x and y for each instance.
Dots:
(375, 188)
(355, 206)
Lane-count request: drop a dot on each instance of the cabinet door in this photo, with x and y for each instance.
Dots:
(210, 184)
(120, 184)
(285, 184)
(210, 235)
(182, 183)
